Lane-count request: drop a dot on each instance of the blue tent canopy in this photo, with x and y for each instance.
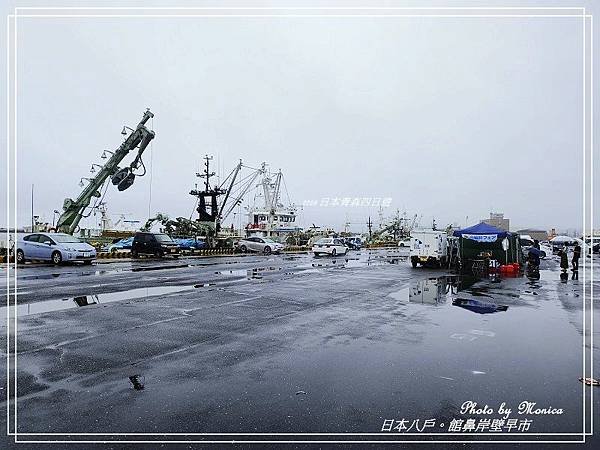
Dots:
(482, 229)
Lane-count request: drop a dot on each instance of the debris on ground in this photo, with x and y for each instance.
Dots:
(590, 381)
(137, 384)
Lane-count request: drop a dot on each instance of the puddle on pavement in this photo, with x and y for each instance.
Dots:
(379, 260)
(87, 300)
(234, 272)
(149, 268)
(47, 276)
(256, 273)
(431, 291)
(440, 290)
(50, 276)
(478, 307)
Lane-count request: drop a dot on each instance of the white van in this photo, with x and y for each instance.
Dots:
(428, 247)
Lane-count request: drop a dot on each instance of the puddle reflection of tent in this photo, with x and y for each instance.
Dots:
(479, 307)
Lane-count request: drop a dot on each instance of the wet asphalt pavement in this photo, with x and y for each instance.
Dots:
(290, 344)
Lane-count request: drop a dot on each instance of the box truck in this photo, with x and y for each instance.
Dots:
(428, 248)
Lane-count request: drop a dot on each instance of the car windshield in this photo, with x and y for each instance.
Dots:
(270, 241)
(325, 241)
(65, 239)
(163, 238)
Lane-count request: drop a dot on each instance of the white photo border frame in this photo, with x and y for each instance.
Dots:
(12, 117)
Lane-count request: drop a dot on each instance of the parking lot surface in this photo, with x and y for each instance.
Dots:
(290, 344)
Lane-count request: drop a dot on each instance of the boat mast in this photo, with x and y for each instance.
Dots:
(276, 190)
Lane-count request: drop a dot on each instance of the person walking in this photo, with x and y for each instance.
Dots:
(576, 256)
(564, 260)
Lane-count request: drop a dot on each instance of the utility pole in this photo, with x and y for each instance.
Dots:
(32, 224)
(370, 227)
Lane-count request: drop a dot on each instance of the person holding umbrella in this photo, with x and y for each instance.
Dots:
(564, 259)
(533, 262)
(576, 256)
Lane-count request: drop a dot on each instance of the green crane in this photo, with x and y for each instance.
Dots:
(122, 178)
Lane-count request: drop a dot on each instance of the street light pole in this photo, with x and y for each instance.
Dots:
(32, 230)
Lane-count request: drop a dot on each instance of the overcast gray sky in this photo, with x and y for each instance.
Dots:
(449, 117)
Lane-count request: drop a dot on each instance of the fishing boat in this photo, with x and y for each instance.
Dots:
(269, 216)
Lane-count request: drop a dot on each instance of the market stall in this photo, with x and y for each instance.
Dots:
(483, 242)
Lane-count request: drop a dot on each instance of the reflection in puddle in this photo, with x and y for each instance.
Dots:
(437, 291)
(46, 276)
(478, 307)
(161, 267)
(233, 272)
(86, 300)
(433, 291)
(430, 291)
(257, 272)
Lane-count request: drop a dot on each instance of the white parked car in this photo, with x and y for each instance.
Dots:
(329, 246)
(404, 243)
(259, 244)
(55, 247)
(545, 250)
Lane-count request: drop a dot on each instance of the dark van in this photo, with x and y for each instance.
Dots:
(155, 244)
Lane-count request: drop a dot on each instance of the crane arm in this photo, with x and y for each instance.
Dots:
(123, 178)
(160, 217)
(231, 184)
(241, 194)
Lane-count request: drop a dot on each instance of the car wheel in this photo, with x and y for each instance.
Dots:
(316, 254)
(20, 257)
(158, 254)
(134, 254)
(267, 250)
(333, 252)
(243, 248)
(345, 252)
(414, 263)
(542, 254)
(87, 263)
(57, 258)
